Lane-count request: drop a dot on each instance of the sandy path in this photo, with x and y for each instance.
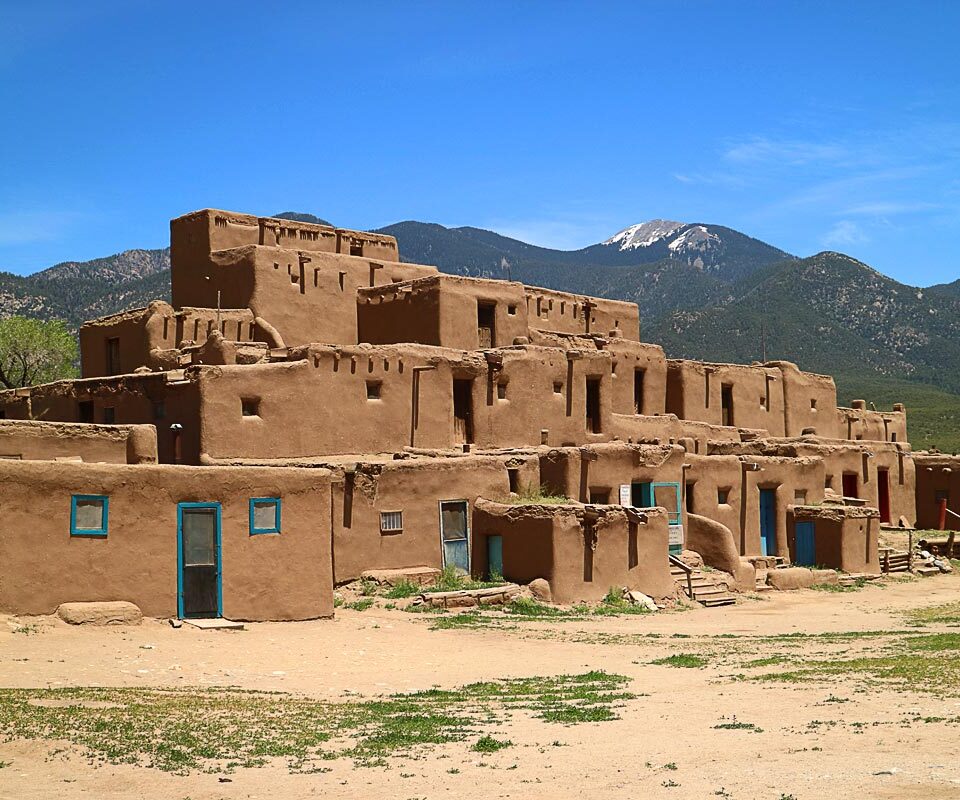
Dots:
(809, 748)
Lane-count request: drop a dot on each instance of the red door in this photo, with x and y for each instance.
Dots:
(850, 484)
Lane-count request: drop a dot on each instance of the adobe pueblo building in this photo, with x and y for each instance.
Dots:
(310, 408)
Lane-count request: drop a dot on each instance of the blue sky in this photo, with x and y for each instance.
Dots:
(810, 125)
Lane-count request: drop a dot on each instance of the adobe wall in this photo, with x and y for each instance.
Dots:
(861, 423)
(809, 399)
(265, 577)
(937, 475)
(441, 310)
(415, 487)
(564, 312)
(845, 537)
(584, 472)
(306, 296)
(49, 441)
(581, 551)
(195, 235)
(859, 460)
(794, 480)
(151, 337)
(542, 390)
(695, 392)
(162, 399)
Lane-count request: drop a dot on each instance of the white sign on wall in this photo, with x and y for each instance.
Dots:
(626, 495)
(676, 535)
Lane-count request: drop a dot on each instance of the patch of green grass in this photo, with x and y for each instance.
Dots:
(765, 662)
(855, 586)
(538, 495)
(487, 744)
(450, 580)
(27, 630)
(687, 660)
(946, 614)
(368, 588)
(737, 725)
(218, 730)
(360, 605)
(401, 589)
(938, 642)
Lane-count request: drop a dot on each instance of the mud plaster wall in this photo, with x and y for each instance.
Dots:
(135, 400)
(580, 561)
(416, 488)
(629, 358)
(695, 392)
(265, 577)
(937, 476)
(42, 441)
(604, 468)
(810, 401)
(860, 423)
(847, 543)
(551, 310)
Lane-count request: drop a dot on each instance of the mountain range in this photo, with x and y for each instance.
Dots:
(705, 291)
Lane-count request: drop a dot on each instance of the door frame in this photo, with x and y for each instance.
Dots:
(219, 556)
(772, 493)
(443, 550)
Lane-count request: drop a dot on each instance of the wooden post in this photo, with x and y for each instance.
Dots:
(943, 513)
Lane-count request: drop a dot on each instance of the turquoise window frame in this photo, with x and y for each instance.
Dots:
(100, 532)
(276, 502)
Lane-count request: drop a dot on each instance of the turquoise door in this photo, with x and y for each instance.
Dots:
(454, 534)
(199, 571)
(768, 522)
(494, 556)
(806, 544)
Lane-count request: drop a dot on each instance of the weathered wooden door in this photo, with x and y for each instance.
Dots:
(455, 534)
(494, 556)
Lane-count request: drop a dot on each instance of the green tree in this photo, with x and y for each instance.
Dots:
(33, 351)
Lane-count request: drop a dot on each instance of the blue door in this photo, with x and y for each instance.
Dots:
(199, 591)
(806, 544)
(454, 534)
(768, 522)
(494, 556)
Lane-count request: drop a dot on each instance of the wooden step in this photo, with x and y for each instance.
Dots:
(726, 599)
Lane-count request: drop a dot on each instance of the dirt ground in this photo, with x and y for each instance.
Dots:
(841, 735)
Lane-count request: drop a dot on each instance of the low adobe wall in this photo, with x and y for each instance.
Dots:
(582, 551)
(286, 576)
(30, 440)
(938, 477)
(845, 537)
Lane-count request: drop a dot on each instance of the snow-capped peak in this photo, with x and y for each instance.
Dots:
(644, 234)
(696, 237)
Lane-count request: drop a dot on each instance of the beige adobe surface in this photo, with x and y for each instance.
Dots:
(827, 738)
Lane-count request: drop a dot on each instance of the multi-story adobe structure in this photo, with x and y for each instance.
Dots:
(310, 407)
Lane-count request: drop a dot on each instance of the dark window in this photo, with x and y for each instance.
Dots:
(513, 476)
(723, 495)
(600, 496)
(688, 497)
(113, 356)
(726, 404)
(356, 247)
(593, 405)
(250, 407)
(391, 521)
(373, 389)
(512, 310)
(486, 324)
(85, 410)
(813, 404)
(501, 391)
(638, 375)
(558, 387)
(109, 415)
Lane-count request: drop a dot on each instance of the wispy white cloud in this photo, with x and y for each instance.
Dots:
(783, 151)
(889, 208)
(844, 233)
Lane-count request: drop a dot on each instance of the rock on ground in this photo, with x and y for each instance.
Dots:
(117, 612)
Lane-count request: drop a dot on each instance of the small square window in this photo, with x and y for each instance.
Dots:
(800, 497)
(373, 389)
(501, 391)
(264, 515)
(88, 515)
(723, 496)
(109, 415)
(250, 407)
(557, 387)
(512, 310)
(813, 404)
(391, 521)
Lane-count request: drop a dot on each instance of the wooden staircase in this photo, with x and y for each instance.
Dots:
(700, 586)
